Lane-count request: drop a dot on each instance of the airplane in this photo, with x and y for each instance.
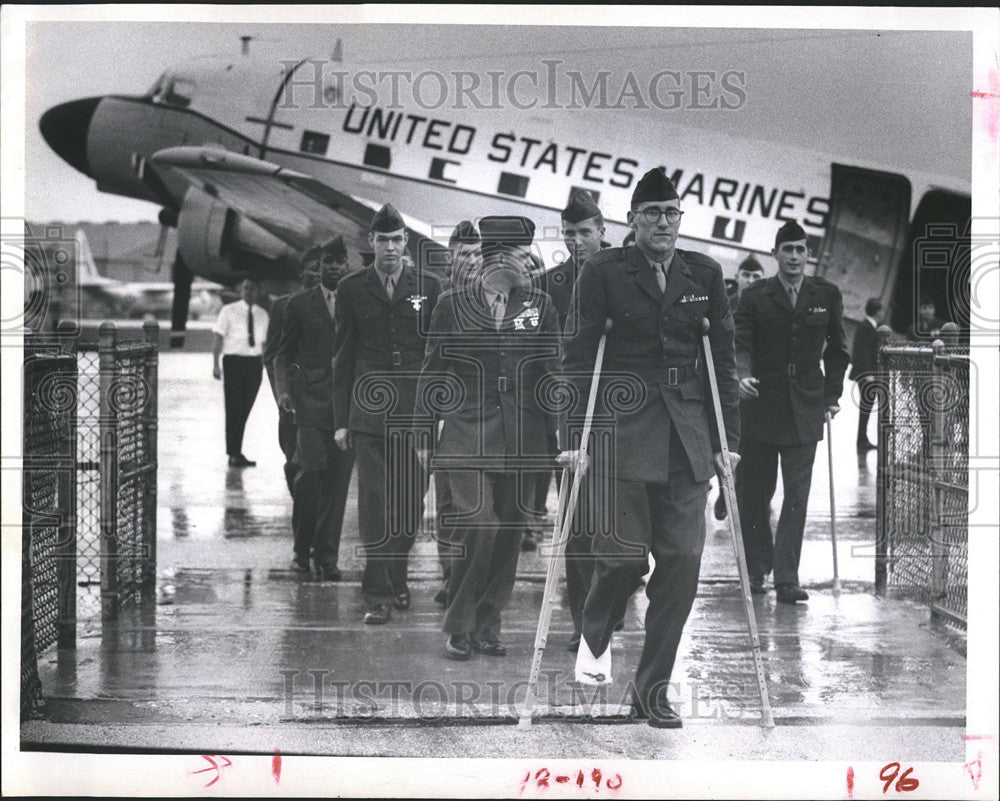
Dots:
(253, 160)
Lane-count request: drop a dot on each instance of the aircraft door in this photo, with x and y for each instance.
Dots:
(865, 234)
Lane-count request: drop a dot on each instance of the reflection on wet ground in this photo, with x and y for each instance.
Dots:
(232, 636)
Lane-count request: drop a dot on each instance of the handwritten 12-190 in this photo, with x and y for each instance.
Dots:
(592, 780)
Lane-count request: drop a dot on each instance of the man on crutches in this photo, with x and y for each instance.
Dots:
(655, 391)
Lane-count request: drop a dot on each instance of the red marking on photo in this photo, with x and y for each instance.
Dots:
(975, 770)
(276, 765)
(850, 782)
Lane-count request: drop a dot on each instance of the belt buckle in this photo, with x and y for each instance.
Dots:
(672, 376)
(397, 358)
(502, 383)
(791, 369)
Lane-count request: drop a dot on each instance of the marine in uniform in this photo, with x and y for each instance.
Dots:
(786, 326)
(491, 347)
(583, 235)
(383, 315)
(286, 421)
(656, 297)
(303, 369)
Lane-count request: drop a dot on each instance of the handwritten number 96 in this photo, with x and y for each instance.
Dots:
(904, 784)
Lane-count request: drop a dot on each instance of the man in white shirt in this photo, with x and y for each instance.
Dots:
(240, 331)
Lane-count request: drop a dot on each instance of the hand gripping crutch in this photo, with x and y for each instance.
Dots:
(733, 516)
(833, 504)
(564, 521)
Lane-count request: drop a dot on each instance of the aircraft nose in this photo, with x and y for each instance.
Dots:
(65, 129)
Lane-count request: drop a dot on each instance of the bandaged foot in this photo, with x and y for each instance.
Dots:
(590, 669)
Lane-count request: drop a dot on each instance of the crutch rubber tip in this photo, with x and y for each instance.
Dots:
(524, 723)
(705, 325)
(608, 324)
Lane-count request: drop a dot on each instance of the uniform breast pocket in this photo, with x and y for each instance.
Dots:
(693, 311)
(635, 317)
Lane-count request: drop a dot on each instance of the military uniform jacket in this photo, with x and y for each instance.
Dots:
(379, 347)
(782, 348)
(653, 369)
(303, 365)
(493, 389)
(273, 339)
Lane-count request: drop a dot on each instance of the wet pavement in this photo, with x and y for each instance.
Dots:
(235, 653)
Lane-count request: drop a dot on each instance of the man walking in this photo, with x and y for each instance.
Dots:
(304, 374)
(656, 297)
(239, 338)
(786, 326)
(383, 314)
(491, 345)
(864, 361)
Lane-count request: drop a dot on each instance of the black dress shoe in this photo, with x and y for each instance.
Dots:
(757, 586)
(528, 542)
(241, 461)
(491, 647)
(402, 601)
(663, 717)
(441, 597)
(300, 565)
(458, 647)
(378, 615)
(574, 643)
(720, 507)
(327, 573)
(790, 594)
(864, 447)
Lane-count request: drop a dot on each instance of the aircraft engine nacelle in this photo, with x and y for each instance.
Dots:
(221, 244)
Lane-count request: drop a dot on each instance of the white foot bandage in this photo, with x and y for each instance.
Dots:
(590, 669)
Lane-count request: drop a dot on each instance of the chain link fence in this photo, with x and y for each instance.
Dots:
(89, 487)
(923, 487)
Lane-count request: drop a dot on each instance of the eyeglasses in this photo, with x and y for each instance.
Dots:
(653, 214)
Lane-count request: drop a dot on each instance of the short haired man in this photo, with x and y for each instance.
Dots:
(239, 331)
(664, 450)
(787, 326)
(383, 314)
(928, 325)
(304, 374)
(464, 257)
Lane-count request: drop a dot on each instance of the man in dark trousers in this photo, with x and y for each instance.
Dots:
(383, 315)
(236, 352)
(490, 348)
(286, 421)
(786, 326)
(464, 262)
(304, 373)
(749, 271)
(583, 235)
(665, 449)
(864, 361)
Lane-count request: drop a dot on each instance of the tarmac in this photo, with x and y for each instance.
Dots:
(237, 655)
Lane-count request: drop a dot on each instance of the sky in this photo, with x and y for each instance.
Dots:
(898, 98)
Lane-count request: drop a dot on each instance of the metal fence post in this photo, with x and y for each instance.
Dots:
(938, 444)
(151, 333)
(108, 426)
(882, 465)
(66, 493)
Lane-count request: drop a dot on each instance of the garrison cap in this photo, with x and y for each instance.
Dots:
(789, 232)
(654, 185)
(750, 264)
(581, 207)
(335, 248)
(503, 233)
(312, 254)
(465, 233)
(387, 220)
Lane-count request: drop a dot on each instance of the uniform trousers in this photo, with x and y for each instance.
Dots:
(323, 476)
(867, 389)
(241, 377)
(759, 470)
(286, 441)
(391, 488)
(667, 519)
(488, 530)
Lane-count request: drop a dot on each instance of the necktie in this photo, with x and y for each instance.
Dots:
(250, 338)
(793, 294)
(499, 307)
(388, 286)
(661, 277)
(330, 299)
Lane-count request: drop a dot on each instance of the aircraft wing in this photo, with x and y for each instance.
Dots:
(292, 206)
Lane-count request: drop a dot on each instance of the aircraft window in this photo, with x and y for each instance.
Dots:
(180, 93)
